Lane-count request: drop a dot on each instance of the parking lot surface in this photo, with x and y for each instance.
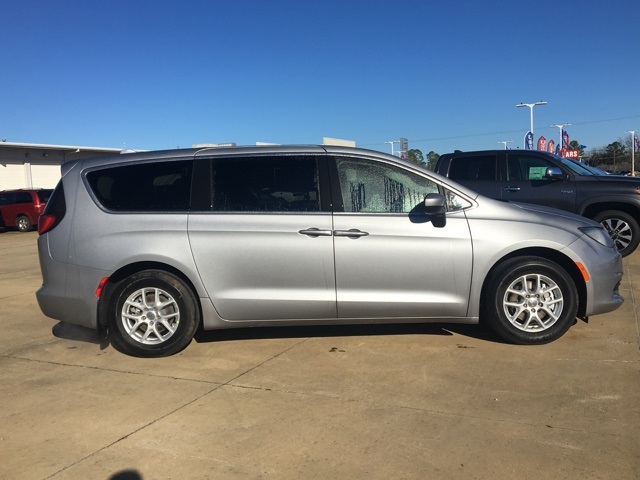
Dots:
(371, 402)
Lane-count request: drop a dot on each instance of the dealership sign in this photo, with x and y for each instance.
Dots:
(568, 153)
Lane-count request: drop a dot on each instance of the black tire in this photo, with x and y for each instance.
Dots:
(23, 223)
(543, 312)
(139, 327)
(622, 227)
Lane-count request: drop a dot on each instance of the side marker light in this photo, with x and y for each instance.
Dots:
(101, 285)
(583, 271)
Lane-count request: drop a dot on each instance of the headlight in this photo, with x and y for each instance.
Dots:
(598, 234)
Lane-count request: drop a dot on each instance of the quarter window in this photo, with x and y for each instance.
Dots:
(379, 188)
(455, 202)
(265, 184)
(155, 186)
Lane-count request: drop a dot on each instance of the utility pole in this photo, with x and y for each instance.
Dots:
(633, 149)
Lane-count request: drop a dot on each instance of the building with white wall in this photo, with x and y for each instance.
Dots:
(31, 165)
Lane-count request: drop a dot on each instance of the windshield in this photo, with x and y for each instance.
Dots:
(596, 171)
(576, 167)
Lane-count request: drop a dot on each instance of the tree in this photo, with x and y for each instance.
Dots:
(617, 149)
(575, 145)
(414, 155)
(614, 157)
(432, 158)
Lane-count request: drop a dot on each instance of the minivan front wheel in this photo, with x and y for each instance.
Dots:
(530, 300)
(152, 314)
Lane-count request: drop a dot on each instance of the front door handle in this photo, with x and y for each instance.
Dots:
(352, 233)
(315, 232)
(511, 189)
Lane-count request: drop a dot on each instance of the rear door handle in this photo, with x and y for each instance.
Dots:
(315, 232)
(352, 233)
(511, 189)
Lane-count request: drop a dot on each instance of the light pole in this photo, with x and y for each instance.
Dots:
(633, 149)
(560, 127)
(391, 143)
(504, 142)
(531, 105)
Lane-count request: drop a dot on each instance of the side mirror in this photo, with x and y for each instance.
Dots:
(554, 173)
(434, 206)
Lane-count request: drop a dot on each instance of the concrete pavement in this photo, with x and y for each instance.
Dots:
(382, 402)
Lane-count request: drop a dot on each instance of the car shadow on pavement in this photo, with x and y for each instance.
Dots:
(68, 331)
(473, 331)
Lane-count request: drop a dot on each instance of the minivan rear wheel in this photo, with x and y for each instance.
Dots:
(530, 300)
(152, 314)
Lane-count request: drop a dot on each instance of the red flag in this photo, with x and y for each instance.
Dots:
(551, 146)
(542, 143)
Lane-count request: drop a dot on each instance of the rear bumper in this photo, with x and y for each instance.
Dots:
(67, 293)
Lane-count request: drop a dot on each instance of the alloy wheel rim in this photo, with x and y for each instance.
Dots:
(150, 316)
(533, 303)
(619, 230)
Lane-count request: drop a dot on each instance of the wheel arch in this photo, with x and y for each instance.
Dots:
(593, 209)
(131, 269)
(27, 216)
(549, 254)
(24, 214)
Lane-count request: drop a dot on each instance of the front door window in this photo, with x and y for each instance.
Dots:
(371, 187)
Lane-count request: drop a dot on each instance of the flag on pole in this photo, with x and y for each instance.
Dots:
(551, 146)
(565, 139)
(528, 141)
(542, 143)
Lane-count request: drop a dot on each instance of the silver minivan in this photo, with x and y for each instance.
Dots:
(148, 247)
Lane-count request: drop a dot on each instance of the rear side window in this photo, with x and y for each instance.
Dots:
(23, 197)
(480, 168)
(144, 187)
(265, 184)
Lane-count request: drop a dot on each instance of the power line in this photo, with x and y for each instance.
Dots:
(503, 132)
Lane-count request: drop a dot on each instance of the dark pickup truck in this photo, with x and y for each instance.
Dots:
(533, 176)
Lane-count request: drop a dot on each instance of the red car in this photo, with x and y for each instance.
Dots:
(22, 208)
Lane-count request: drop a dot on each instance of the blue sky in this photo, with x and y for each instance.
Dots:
(445, 75)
